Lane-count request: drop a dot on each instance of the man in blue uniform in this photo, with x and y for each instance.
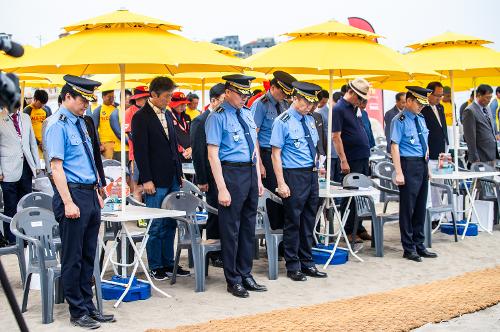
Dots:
(77, 204)
(409, 149)
(294, 139)
(265, 110)
(231, 140)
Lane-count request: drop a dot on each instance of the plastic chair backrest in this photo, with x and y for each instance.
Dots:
(39, 224)
(262, 210)
(4, 219)
(487, 188)
(35, 199)
(110, 162)
(383, 171)
(189, 187)
(356, 180)
(364, 206)
(190, 204)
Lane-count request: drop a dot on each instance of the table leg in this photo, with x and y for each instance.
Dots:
(123, 243)
(138, 254)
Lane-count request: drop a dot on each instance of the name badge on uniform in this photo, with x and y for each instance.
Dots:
(412, 140)
(296, 143)
(236, 137)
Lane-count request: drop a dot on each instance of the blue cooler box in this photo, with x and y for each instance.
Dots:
(471, 230)
(320, 257)
(138, 291)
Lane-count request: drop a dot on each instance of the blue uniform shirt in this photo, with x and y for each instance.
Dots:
(288, 135)
(404, 133)
(264, 112)
(64, 142)
(223, 130)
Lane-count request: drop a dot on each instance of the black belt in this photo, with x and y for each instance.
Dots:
(413, 158)
(302, 169)
(266, 149)
(83, 186)
(235, 164)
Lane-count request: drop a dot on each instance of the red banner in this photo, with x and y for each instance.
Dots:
(375, 105)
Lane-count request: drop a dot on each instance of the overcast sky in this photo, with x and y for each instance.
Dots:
(400, 22)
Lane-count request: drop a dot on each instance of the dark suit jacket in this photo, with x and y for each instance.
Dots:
(322, 143)
(479, 134)
(200, 151)
(438, 135)
(388, 116)
(155, 153)
(96, 148)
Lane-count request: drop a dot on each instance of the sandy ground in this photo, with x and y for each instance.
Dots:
(352, 279)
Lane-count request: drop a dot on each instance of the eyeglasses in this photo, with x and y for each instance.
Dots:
(241, 95)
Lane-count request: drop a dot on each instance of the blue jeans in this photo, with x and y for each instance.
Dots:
(160, 246)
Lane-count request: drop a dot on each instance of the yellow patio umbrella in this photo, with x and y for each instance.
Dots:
(107, 45)
(334, 49)
(457, 56)
(221, 49)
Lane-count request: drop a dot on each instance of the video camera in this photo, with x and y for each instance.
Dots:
(10, 93)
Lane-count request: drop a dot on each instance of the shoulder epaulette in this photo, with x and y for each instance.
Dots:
(219, 109)
(420, 115)
(285, 117)
(402, 117)
(62, 117)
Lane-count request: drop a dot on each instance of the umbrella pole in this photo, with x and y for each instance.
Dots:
(122, 133)
(329, 131)
(23, 85)
(455, 122)
(202, 95)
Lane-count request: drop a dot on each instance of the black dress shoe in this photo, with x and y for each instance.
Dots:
(101, 318)
(86, 322)
(296, 275)
(426, 253)
(238, 290)
(413, 256)
(313, 272)
(250, 284)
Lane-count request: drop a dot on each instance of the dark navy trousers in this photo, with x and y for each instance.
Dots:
(79, 243)
(213, 219)
(237, 222)
(300, 214)
(412, 203)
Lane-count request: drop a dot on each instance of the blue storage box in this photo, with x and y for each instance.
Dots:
(320, 257)
(138, 291)
(471, 230)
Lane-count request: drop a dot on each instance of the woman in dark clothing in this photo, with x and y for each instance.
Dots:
(182, 124)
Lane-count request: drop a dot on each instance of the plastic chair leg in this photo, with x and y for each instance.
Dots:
(454, 221)
(22, 265)
(428, 230)
(44, 292)
(378, 238)
(199, 261)
(176, 264)
(50, 296)
(272, 257)
(26, 292)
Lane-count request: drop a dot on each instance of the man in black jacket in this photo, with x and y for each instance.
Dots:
(435, 121)
(159, 172)
(204, 177)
